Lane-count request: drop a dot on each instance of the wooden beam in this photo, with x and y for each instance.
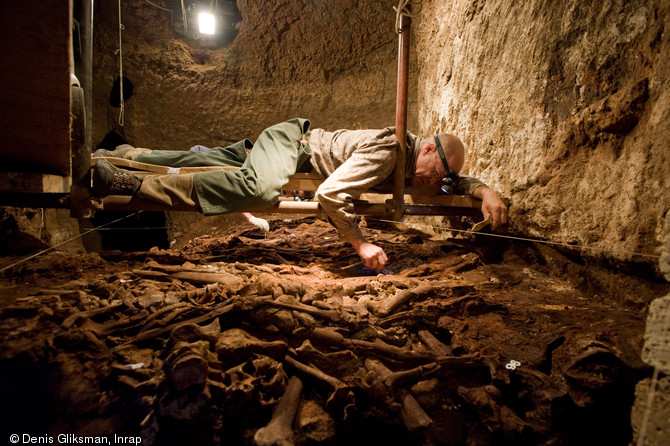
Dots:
(157, 169)
(459, 201)
(40, 183)
(299, 181)
(370, 204)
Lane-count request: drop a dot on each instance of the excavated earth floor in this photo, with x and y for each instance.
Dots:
(474, 340)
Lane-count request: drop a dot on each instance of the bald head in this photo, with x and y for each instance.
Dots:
(454, 151)
(429, 167)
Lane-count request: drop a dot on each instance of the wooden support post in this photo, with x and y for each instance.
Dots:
(82, 125)
(404, 37)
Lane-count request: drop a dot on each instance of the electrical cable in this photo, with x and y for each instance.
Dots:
(66, 241)
(159, 7)
(120, 53)
(164, 9)
(651, 393)
(524, 239)
(409, 8)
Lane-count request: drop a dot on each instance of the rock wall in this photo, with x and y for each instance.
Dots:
(563, 107)
(332, 62)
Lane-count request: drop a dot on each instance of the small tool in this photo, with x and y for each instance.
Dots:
(482, 224)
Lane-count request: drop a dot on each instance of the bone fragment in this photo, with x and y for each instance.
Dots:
(388, 305)
(412, 413)
(164, 310)
(167, 318)
(316, 373)
(187, 364)
(391, 351)
(279, 432)
(70, 320)
(189, 332)
(229, 281)
(412, 375)
(329, 336)
(188, 370)
(382, 381)
(331, 315)
(236, 344)
(434, 344)
(60, 292)
(148, 274)
(341, 399)
(382, 378)
(218, 310)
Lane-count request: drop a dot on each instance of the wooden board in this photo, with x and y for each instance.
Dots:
(157, 169)
(34, 183)
(35, 42)
(427, 198)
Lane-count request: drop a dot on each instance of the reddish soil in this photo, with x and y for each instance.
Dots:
(196, 345)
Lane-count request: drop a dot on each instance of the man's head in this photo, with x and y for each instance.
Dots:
(430, 166)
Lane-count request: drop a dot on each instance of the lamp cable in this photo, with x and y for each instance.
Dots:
(66, 241)
(523, 239)
(120, 53)
(408, 8)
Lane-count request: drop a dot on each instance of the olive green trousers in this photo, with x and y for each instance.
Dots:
(278, 153)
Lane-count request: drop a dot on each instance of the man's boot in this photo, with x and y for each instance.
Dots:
(110, 180)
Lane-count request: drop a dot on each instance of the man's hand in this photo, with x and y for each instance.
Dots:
(260, 223)
(493, 205)
(373, 256)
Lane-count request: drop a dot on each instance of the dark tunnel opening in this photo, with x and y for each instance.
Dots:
(129, 231)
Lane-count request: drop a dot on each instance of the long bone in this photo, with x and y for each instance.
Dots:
(383, 380)
(342, 397)
(279, 432)
(388, 305)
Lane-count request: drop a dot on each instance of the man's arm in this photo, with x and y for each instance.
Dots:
(368, 166)
(491, 204)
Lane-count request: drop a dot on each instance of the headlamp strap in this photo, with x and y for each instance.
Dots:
(440, 151)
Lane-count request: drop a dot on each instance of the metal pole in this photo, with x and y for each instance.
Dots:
(404, 37)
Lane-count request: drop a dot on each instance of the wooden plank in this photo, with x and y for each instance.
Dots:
(304, 181)
(121, 202)
(454, 205)
(34, 183)
(416, 196)
(299, 181)
(461, 201)
(157, 169)
(35, 42)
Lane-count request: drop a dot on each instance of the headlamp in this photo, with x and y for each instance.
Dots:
(448, 183)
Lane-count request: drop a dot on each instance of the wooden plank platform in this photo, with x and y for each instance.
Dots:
(447, 205)
(155, 169)
(425, 200)
(300, 181)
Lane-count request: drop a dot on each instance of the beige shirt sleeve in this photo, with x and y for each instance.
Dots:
(367, 166)
(466, 185)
